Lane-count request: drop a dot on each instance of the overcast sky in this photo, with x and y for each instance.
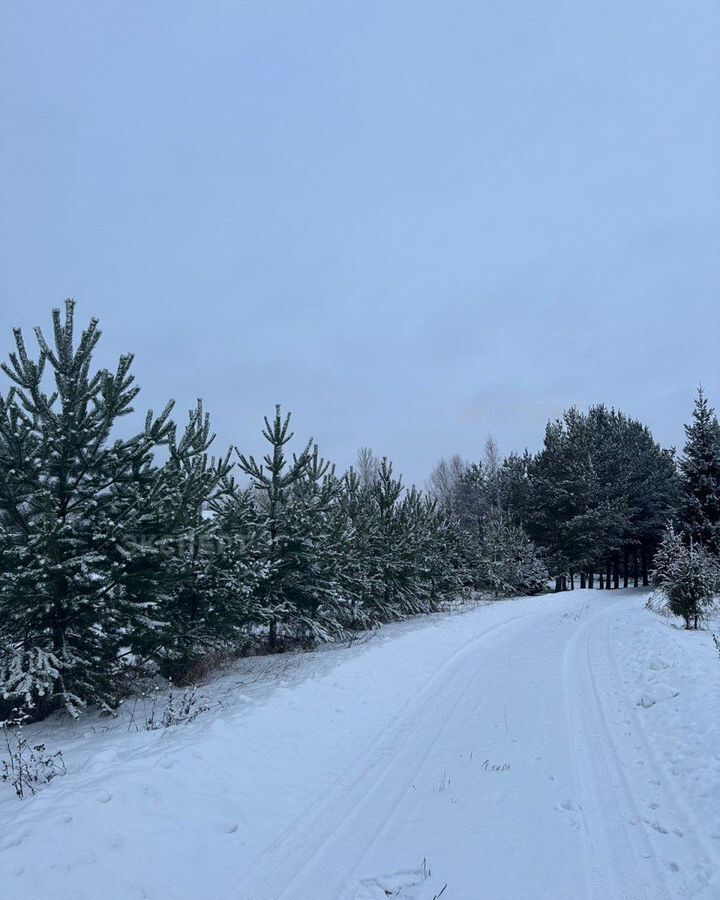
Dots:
(411, 223)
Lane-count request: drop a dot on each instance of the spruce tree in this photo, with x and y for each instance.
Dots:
(700, 477)
(688, 575)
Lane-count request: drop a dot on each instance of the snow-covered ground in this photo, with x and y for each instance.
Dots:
(553, 748)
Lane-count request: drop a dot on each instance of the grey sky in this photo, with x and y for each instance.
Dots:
(411, 223)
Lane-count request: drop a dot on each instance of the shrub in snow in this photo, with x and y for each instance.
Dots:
(26, 765)
(689, 577)
(173, 707)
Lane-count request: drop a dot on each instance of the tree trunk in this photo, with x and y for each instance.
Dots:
(272, 635)
(616, 571)
(558, 584)
(645, 579)
(582, 581)
(591, 580)
(608, 572)
(626, 565)
(572, 581)
(602, 582)
(635, 567)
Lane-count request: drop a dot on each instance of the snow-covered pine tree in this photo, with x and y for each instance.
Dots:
(361, 569)
(415, 552)
(295, 497)
(700, 477)
(206, 572)
(688, 575)
(509, 563)
(238, 564)
(433, 568)
(514, 487)
(317, 539)
(72, 501)
(600, 490)
(389, 544)
(407, 550)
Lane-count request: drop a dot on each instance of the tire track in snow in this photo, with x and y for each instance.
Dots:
(360, 822)
(378, 777)
(682, 828)
(610, 828)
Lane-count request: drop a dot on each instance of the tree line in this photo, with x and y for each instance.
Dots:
(601, 504)
(147, 554)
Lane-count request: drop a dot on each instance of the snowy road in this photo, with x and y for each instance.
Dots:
(502, 772)
(553, 748)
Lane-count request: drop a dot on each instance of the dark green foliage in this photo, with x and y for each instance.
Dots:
(206, 566)
(142, 554)
(700, 471)
(301, 535)
(600, 491)
(71, 503)
(113, 561)
(486, 504)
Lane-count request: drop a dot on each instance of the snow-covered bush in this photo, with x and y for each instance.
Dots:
(688, 576)
(25, 765)
(161, 709)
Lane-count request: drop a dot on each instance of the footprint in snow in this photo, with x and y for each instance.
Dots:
(657, 693)
(392, 885)
(101, 761)
(661, 829)
(573, 811)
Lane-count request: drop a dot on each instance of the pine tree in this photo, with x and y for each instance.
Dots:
(389, 543)
(688, 575)
(318, 544)
(72, 502)
(206, 570)
(600, 489)
(700, 471)
(361, 568)
(509, 563)
(305, 537)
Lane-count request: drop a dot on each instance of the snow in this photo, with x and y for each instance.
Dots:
(502, 752)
